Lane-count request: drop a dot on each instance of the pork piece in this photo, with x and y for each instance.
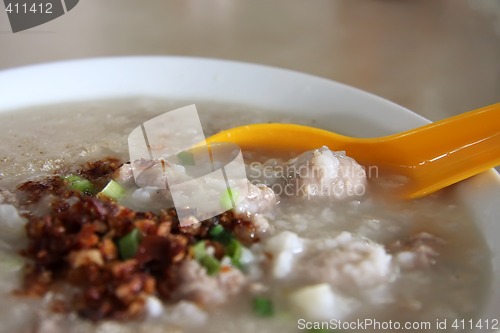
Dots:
(345, 261)
(261, 224)
(147, 199)
(419, 251)
(7, 197)
(259, 199)
(320, 302)
(283, 250)
(325, 173)
(11, 226)
(124, 175)
(199, 287)
(152, 173)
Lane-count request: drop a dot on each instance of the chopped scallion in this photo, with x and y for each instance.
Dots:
(113, 190)
(234, 250)
(233, 247)
(211, 264)
(263, 306)
(80, 184)
(216, 230)
(199, 250)
(228, 198)
(10, 262)
(185, 158)
(221, 235)
(128, 245)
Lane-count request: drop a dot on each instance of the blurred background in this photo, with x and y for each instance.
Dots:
(435, 57)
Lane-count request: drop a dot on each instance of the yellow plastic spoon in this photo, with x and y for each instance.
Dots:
(431, 157)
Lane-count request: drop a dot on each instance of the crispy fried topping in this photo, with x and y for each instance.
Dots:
(77, 243)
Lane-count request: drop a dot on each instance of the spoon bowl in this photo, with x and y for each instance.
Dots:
(431, 157)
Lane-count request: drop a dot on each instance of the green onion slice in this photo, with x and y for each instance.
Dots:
(199, 250)
(234, 250)
(11, 262)
(80, 184)
(233, 247)
(211, 264)
(263, 306)
(228, 198)
(128, 245)
(113, 191)
(221, 235)
(185, 158)
(216, 231)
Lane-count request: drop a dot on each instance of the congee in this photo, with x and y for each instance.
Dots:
(317, 244)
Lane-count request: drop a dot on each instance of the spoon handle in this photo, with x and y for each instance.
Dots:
(450, 150)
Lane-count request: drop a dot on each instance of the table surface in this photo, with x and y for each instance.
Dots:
(436, 57)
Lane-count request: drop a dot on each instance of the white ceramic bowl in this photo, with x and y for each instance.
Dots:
(341, 108)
